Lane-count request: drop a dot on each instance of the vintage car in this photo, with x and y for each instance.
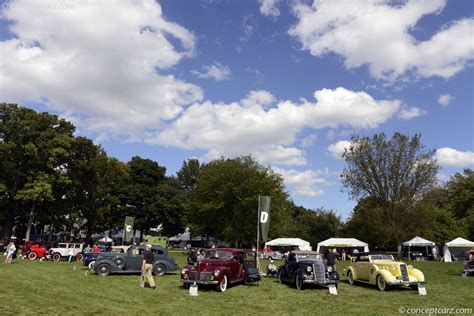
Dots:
(382, 270)
(36, 251)
(221, 267)
(469, 264)
(131, 261)
(306, 267)
(62, 251)
(91, 257)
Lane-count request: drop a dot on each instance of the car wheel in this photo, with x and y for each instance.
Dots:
(159, 270)
(80, 257)
(350, 278)
(222, 286)
(56, 257)
(381, 284)
(32, 256)
(280, 277)
(299, 282)
(103, 269)
(91, 265)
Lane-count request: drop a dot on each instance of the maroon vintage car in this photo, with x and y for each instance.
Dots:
(220, 267)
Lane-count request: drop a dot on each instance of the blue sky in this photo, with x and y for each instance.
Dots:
(286, 81)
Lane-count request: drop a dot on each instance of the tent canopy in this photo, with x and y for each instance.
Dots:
(105, 239)
(418, 242)
(282, 242)
(460, 242)
(343, 243)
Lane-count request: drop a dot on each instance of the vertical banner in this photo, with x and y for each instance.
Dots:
(264, 217)
(128, 228)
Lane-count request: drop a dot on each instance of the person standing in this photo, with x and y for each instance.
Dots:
(343, 254)
(332, 258)
(11, 248)
(147, 267)
(70, 254)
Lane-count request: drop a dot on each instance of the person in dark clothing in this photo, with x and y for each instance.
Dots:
(331, 258)
(147, 267)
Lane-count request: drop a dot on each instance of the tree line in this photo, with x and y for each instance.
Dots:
(49, 176)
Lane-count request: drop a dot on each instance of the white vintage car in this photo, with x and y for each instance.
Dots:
(62, 251)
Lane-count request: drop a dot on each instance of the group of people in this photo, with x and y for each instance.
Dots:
(195, 255)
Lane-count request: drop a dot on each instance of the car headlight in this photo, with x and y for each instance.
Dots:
(330, 269)
(309, 269)
(216, 273)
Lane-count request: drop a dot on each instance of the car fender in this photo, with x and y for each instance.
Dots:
(167, 264)
(417, 275)
(387, 275)
(354, 273)
(111, 263)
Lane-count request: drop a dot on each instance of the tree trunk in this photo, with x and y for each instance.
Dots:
(30, 222)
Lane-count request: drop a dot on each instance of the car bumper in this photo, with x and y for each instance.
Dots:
(188, 281)
(401, 282)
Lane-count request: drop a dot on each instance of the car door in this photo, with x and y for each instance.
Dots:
(134, 259)
(363, 268)
(291, 266)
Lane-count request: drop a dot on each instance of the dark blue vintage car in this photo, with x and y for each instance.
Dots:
(131, 261)
(307, 267)
(91, 257)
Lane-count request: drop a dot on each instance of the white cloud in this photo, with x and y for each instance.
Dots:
(97, 62)
(377, 33)
(269, 7)
(449, 157)
(336, 150)
(308, 141)
(215, 71)
(250, 126)
(445, 99)
(305, 183)
(248, 27)
(407, 113)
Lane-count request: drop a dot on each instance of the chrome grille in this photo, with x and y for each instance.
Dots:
(319, 272)
(201, 276)
(403, 269)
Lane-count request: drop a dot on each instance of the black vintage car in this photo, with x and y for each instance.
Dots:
(306, 267)
(131, 261)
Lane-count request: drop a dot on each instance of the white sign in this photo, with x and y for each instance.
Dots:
(263, 217)
(193, 290)
(421, 289)
(332, 289)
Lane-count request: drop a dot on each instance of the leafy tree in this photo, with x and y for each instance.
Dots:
(188, 174)
(396, 173)
(460, 193)
(33, 149)
(225, 202)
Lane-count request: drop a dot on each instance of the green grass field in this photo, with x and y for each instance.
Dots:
(34, 287)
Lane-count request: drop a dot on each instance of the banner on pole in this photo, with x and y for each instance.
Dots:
(128, 228)
(264, 217)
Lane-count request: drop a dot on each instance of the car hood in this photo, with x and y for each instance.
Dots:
(388, 263)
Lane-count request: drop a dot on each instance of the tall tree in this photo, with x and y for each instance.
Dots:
(188, 174)
(33, 149)
(226, 199)
(395, 172)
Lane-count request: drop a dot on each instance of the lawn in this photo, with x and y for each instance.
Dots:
(34, 287)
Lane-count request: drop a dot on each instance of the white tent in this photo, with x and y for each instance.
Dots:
(105, 239)
(343, 243)
(282, 242)
(418, 242)
(456, 247)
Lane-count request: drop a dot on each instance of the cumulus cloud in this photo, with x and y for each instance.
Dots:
(449, 157)
(347, 28)
(407, 113)
(308, 141)
(445, 99)
(270, 133)
(337, 149)
(269, 7)
(215, 71)
(305, 183)
(97, 62)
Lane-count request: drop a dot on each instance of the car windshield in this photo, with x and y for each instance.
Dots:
(382, 257)
(218, 254)
(308, 256)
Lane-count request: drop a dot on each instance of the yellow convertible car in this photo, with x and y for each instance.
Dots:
(382, 270)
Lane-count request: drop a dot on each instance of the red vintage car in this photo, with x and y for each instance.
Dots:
(220, 267)
(36, 251)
